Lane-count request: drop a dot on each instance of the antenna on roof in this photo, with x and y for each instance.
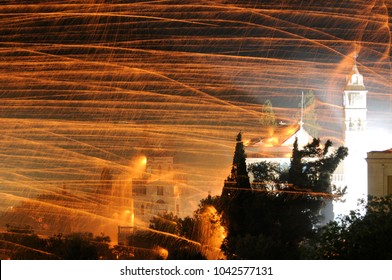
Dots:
(301, 123)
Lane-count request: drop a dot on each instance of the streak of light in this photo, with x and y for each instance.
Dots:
(94, 84)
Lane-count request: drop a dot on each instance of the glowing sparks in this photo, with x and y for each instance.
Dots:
(94, 84)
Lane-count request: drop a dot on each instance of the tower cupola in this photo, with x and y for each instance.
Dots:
(354, 100)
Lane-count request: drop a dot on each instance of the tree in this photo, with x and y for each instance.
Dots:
(310, 117)
(266, 175)
(357, 235)
(283, 211)
(17, 245)
(268, 117)
(239, 178)
(201, 235)
(312, 167)
(166, 222)
(210, 231)
(80, 246)
(235, 193)
(74, 246)
(170, 233)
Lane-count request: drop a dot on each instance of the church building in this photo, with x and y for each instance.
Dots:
(352, 173)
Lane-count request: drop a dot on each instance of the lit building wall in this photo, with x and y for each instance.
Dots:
(379, 173)
(155, 192)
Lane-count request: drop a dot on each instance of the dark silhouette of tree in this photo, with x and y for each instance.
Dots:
(80, 246)
(312, 167)
(266, 175)
(74, 246)
(311, 170)
(283, 208)
(235, 194)
(238, 178)
(357, 235)
(177, 236)
(24, 246)
(166, 222)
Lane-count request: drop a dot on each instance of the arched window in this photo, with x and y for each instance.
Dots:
(355, 79)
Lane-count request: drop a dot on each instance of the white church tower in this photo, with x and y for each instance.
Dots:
(354, 103)
(355, 137)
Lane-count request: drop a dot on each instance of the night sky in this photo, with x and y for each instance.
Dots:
(91, 84)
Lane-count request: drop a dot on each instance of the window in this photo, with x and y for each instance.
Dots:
(142, 210)
(140, 190)
(389, 190)
(355, 79)
(355, 99)
(159, 190)
(160, 206)
(360, 126)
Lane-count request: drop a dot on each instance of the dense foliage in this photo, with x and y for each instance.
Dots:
(272, 219)
(363, 234)
(75, 246)
(196, 237)
(178, 237)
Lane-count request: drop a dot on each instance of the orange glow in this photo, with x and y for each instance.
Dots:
(272, 141)
(162, 252)
(90, 84)
(246, 143)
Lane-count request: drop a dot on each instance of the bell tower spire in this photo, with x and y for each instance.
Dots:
(301, 122)
(355, 67)
(354, 100)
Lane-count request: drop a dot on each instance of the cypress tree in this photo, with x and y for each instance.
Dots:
(238, 178)
(239, 160)
(296, 177)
